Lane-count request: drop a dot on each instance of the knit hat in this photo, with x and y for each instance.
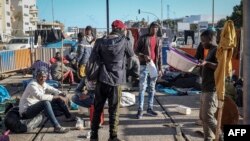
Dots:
(88, 28)
(42, 71)
(118, 24)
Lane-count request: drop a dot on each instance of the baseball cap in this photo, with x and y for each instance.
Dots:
(118, 24)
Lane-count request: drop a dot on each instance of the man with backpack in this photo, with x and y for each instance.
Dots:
(113, 51)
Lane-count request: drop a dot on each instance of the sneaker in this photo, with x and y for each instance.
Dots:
(151, 112)
(61, 130)
(115, 139)
(139, 114)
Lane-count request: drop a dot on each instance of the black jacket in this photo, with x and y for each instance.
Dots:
(113, 51)
(143, 48)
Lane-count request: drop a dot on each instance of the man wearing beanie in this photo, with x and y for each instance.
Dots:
(113, 51)
(148, 49)
(36, 100)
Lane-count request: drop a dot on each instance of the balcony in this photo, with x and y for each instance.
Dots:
(12, 8)
(34, 19)
(33, 10)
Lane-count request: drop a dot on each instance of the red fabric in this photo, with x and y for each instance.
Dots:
(152, 48)
(69, 74)
(91, 113)
(53, 60)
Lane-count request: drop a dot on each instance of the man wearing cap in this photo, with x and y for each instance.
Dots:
(113, 51)
(149, 49)
(36, 99)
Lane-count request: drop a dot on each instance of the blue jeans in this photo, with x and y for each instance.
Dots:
(146, 84)
(84, 103)
(37, 108)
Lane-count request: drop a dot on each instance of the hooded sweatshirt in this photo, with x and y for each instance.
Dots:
(113, 51)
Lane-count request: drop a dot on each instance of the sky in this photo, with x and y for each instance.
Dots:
(93, 12)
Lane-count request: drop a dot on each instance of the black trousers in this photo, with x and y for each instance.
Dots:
(113, 94)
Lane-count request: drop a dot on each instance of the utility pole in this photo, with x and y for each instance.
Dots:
(246, 62)
(162, 13)
(52, 13)
(213, 13)
(107, 9)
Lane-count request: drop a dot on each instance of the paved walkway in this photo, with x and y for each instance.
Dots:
(169, 125)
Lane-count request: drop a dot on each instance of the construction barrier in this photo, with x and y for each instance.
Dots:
(14, 60)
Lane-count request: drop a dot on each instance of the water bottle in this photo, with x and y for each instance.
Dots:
(79, 123)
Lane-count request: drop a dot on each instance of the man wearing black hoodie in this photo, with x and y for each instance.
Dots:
(113, 50)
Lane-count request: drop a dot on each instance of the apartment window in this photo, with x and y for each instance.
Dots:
(26, 23)
(8, 13)
(26, 6)
(8, 24)
(7, 1)
(25, 14)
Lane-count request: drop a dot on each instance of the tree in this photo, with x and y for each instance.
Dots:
(220, 23)
(193, 27)
(237, 15)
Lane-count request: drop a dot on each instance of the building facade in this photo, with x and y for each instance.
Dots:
(25, 17)
(5, 19)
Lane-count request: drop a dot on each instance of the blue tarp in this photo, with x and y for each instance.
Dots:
(4, 94)
(72, 44)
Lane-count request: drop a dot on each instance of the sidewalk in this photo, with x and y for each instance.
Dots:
(161, 128)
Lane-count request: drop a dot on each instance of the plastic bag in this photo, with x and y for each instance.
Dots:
(5, 136)
(152, 69)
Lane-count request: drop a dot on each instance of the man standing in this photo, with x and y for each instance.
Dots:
(209, 100)
(84, 49)
(113, 50)
(148, 49)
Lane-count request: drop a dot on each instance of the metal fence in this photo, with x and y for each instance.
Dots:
(14, 60)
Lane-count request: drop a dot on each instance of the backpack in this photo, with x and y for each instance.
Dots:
(12, 121)
(93, 65)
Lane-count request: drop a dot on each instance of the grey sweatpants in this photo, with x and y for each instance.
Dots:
(209, 105)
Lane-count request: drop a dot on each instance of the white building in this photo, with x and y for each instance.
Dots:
(25, 15)
(5, 19)
(199, 18)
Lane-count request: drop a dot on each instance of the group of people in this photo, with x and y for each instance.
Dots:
(115, 49)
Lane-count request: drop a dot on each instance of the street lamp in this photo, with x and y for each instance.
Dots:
(139, 12)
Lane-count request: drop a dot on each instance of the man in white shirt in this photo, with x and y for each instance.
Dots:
(36, 99)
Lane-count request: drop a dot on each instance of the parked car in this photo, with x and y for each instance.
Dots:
(19, 43)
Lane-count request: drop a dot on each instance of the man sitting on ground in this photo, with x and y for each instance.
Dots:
(36, 99)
